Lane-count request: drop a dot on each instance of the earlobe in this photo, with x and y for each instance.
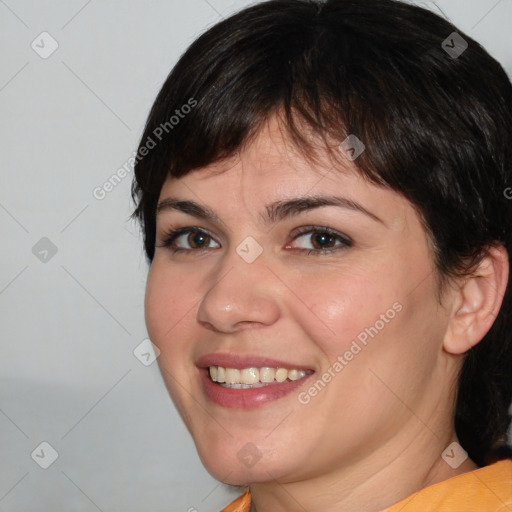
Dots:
(477, 302)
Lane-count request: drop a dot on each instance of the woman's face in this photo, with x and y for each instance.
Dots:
(343, 292)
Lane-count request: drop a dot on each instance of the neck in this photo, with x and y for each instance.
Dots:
(372, 485)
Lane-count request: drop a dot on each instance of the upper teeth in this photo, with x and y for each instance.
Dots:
(253, 375)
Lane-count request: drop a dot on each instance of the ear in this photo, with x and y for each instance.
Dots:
(477, 301)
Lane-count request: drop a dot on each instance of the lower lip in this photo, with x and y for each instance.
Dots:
(248, 398)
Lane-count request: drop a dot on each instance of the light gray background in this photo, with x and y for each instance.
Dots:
(69, 325)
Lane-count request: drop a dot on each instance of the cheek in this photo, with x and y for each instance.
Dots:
(376, 320)
(345, 304)
(168, 300)
(169, 296)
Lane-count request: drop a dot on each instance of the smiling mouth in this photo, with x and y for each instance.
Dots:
(253, 377)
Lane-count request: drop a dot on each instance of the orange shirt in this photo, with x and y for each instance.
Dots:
(488, 489)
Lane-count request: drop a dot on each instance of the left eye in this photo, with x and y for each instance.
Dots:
(321, 240)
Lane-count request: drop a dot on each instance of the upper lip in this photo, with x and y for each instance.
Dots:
(241, 361)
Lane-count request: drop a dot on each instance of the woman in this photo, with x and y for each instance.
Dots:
(322, 187)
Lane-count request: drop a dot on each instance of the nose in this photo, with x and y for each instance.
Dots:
(240, 295)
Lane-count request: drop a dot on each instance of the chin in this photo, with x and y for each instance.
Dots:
(243, 466)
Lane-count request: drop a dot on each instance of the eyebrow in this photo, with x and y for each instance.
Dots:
(274, 212)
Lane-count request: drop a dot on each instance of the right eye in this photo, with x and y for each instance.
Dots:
(195, 238)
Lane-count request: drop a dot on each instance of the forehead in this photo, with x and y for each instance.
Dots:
(270, 158)
(271, 168)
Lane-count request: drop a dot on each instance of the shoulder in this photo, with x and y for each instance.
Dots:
(487, 489)
(241, 504)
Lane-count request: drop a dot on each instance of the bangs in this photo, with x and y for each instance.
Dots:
(330, 70)
(434, 119)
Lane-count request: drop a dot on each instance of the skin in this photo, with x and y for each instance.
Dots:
(375, 433)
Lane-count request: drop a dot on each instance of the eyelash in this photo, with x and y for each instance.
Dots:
(171, 236)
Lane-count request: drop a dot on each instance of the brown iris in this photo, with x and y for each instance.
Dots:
(323, 240)
(198, 240)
